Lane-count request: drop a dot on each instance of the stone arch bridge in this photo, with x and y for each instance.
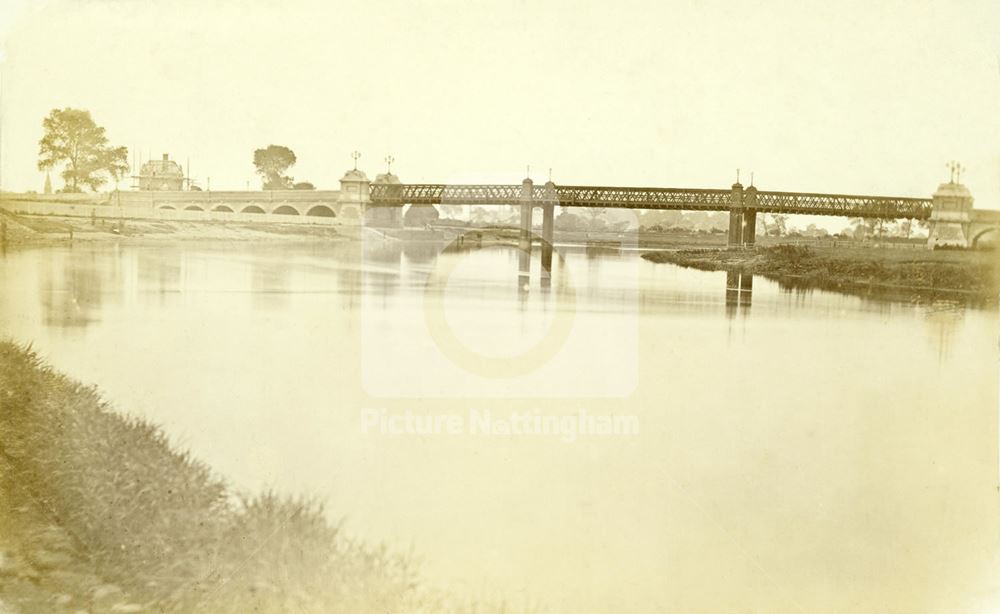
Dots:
(311, 203)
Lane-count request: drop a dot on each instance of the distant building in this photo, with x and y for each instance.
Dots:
(162, 174)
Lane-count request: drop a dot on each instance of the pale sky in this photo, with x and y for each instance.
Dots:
(846, 97)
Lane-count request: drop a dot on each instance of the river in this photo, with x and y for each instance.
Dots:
(795, 451)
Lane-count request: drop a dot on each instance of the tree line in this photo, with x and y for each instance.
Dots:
(73, 141)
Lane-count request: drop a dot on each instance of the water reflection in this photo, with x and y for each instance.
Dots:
(419, 252)
(72, 292)
(256, 358)
(943, 319)
(269, 284)
(739, 292)
(159, 273)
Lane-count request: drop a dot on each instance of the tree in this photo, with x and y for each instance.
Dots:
(452, 211)
(595, 217)
(72, 138)
(780, 224)
(271, 165)
(420, 215)
(863, 227)
(303, 185)
(478, 215)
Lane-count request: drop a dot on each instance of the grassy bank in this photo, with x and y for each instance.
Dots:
(972, 275)
(143, 527)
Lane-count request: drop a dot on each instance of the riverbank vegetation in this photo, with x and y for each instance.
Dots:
(916, 272)
(140, 526)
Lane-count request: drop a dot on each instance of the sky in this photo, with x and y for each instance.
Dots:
(842, 97)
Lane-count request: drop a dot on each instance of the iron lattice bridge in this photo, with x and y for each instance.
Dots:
(883, 207)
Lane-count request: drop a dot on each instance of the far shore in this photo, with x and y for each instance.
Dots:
(971, 276)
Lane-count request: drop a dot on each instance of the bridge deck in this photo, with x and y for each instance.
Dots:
(653, 198)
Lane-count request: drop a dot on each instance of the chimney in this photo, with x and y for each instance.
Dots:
(165, 157)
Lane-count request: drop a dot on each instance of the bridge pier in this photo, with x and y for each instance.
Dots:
(749, 227)
(736, 215)
(749, 217)
(951, 216)
(355, 194)
(735, 227)
(548, 222)
(524, 243)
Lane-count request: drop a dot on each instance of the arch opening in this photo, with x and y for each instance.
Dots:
(166, 207)
(286, 210)
(321, 211)
(193, 208)
(988, 238)
(252, 209)
(223, 208)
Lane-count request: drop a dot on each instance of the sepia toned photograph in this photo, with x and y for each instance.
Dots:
(498, 306)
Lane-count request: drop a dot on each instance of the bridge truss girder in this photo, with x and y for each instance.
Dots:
(679, 199)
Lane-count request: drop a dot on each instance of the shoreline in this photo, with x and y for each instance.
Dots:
(964, 275)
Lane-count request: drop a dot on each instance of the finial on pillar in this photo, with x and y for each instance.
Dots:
(550, 175)
(355, 154)
(956, 171)
(529, 172)
(737, 175)
(751, 179)
(388, 164)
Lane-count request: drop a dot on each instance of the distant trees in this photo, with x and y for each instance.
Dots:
(303, 185)
(452, 211)
(596, 217)
(272, 162)
(478, 215)
(420, 215)
(779, 224)
(73, 138)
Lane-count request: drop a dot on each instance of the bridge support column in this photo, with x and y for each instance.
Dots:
(750, 217)
(735, 228)
(524, 244)
(749, 227)
(548, 222)
(736, 215)
(951, 216)
(354, 197)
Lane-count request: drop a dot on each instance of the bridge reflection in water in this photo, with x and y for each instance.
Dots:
(738, 288)
(739, 292)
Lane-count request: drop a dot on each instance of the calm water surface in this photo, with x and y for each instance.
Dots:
(808, 452)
